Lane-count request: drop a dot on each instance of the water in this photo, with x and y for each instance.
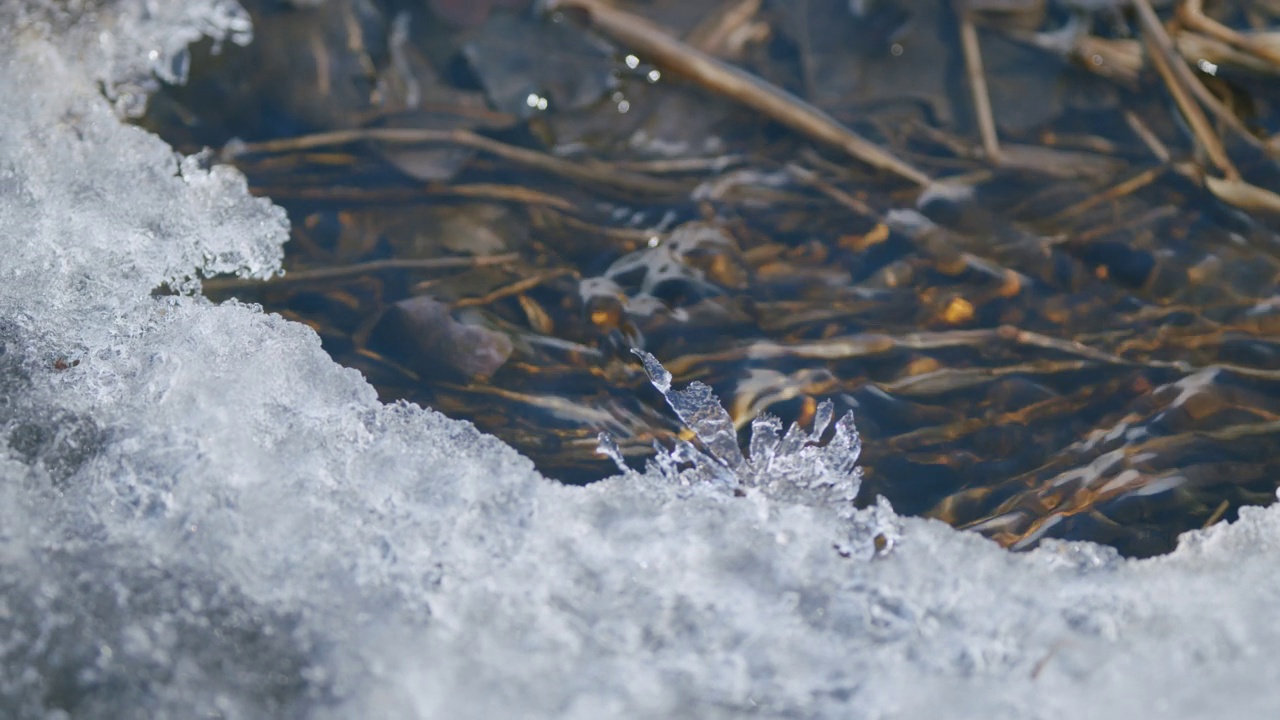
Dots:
(1025, 357)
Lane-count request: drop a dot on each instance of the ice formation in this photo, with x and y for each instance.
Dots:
(795, 468)
(202, 516)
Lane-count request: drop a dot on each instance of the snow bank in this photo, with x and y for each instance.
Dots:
(202, 516)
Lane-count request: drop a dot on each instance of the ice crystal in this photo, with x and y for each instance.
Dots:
(795, 467)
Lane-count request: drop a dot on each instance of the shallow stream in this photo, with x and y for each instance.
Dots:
(492, 206)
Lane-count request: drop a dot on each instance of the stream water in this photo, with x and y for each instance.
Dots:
(1080, 342)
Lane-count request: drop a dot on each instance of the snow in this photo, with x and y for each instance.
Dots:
(202, 516)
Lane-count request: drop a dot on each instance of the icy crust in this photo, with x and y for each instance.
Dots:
(202, 516)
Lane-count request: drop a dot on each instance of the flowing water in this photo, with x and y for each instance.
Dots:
(1080, 343)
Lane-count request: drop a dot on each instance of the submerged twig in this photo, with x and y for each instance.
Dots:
(1216, 515)
(812, 179)
(1191, 13)
(1133, 184)
(862, 345)
(669, 53)
(346, 271)
(722, 31)
(1123, 59)
(1231, 187)
(590, 171)
(1244, 195)
(506, 193)
(679, 165)
(520, 286)
(487, 191)
(978, 86)
(1154, 215)
(1167, 62)
(628, 238)
(1147, 137)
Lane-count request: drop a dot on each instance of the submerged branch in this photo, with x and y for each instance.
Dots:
(589, 171)
(669, 53)
(356, 269)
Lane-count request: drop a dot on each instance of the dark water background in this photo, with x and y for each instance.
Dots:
(1077, 342)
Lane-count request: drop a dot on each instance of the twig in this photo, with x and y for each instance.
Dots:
(508, 193)
(514, 288)
(670, 54)
(1147, 137)
(485, 191)
(628, 238)
(580, 170)
(1191, 13)
(1216, 106)
(1141, 180)
(1154, 215)
(1165, 58)
(1196, 46)
(346, 271)
(1217, 514)
(978, 86)
(678, 165)
(860, 345)
(720, 33)
(812, 179)
(1122, 60)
